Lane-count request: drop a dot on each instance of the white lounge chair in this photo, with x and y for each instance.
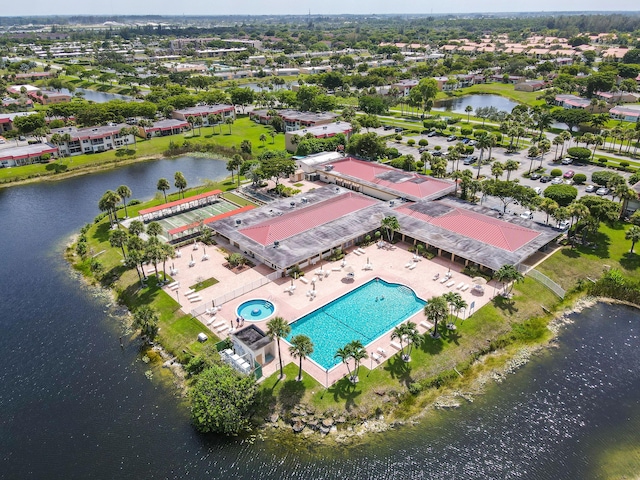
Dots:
(408, 264)
(178, 253)
(191, 263)
(223, 329)
(460, 285)
(444, 279)
(375, 356)
(451, 283)
(382, 352)
(426, 325)
(304, 280)
(413, 265)
(396, 345)
(357, 252)
(188, 291)
(436, 276)
(197, 298)
(219, 323)
(335, 269)
(464, 289)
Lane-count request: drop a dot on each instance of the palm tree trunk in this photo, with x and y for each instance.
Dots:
(280, 357)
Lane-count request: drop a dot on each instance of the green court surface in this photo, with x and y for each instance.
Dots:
(195, 215)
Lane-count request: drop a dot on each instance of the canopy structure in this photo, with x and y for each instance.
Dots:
(172, 208)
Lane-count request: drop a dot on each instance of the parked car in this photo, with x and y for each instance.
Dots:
(569, 174)
(563, 225)
(602, 191)
(545, 179)
(556, 181)
(535, 176)
(527, 214)
(567, 161)
(22, 138)
(590, 188)
(451, 138)
(538, 190)
(399, 129)
(472, 143)
(437, 153)
(465, 140)
(467, 161)
(432, 133)
(387, 127)
(422, 149)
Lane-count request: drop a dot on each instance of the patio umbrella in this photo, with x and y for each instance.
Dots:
(479, 281)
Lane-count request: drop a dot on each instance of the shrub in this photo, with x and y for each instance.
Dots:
(556, 172)
(423, 142)
(236, 259)
(579, 178)
(466, 131)
(603, 177)
(602, 161)
(411, 142)
(624, 164)
(562, 194)
(392, 152)
(437, 147)
(398, 138)
(579, 153)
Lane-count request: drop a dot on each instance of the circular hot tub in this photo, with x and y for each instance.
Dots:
(256, 310)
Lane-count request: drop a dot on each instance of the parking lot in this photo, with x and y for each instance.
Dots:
(499, 154)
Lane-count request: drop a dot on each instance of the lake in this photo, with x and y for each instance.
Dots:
(458, 104)
(97, 97)
(75, 406)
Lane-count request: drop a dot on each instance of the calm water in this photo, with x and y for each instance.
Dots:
(76, 406)
(98, 97)
(363, 314)
(458, 104)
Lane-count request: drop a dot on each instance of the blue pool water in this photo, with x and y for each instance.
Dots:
(363, 314)
(255, 310)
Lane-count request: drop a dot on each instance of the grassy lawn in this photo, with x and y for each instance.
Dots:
(569, 265)
(504, 89)
(177, 332)
(204, 284)
(242, 129)
(242, 202)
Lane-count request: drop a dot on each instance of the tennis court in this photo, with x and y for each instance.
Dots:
(195, 216)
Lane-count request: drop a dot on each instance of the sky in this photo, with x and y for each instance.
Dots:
(301, 7)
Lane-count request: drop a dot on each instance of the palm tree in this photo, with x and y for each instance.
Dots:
(136, 227)
(468, 109)
(108, 203)
(436, 311)
(497, 169)
(124, 192)
(391, 225)
(153, 252)
(146, 319)
(180, 182)
(544, 146)
(507, 274)
(511, 166)
(400, 333)
(358, 353)
(483, 141)
(211, 120)
(633, 234)
(278, 328)
(154, 229)
(548, 206)
(458, 305)
(163, 185)
(229, 122)
(301, 347)
(135, 259)
(451, 298)
(117, 239)
(263, 138)
(191, 120)
(166, 252)
(344, 354)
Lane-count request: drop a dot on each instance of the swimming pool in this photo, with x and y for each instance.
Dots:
(363, 314)
(255, 310)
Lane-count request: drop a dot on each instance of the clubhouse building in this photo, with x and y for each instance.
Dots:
(303, 230)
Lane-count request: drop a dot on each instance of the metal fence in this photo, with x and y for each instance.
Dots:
(546, 281)
(217, 302)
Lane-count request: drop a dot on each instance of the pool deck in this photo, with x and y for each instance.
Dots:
(391, 264)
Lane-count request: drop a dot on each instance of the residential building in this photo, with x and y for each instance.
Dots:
(163, 128)
(26, 155)
(6, 119)
(530, 85)
(93, 139)
(627, 113)
(203, 111)
(319, 131)
(405, 86)
(294, 119)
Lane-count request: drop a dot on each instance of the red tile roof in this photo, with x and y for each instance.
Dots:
(412, 183)
(305, 218)
(494, 232)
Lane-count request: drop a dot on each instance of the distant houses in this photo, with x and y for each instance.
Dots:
(203, 112)
(319, 131)
(26, 154)
(294, 119)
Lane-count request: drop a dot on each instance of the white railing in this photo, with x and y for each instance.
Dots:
(544, 280)
(222, 299)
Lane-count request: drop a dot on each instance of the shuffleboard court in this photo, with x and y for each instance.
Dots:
(194, 216)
